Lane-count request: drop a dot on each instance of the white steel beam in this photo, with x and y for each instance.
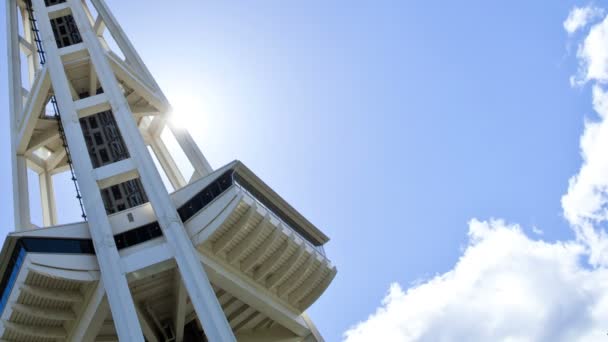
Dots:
(115, 173)
(55, 159)
(91, 319)
(254, 295)
(134, 82)
(47, 195)
(168, 164)
(195, 280)
(92, 105)
(123, 41)
(191, 150)
(34, 106)
(119, 296)
(43, 139)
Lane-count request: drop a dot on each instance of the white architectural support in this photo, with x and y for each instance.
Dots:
(47, 194)
(179, 318)
(33, 107)
(134, 82)
(91, 318)
(55, 159)
(195, 280)
(123, 41)
(119, 297)
(32, 59)
(99, 26)
(21, 193)
(168, 164)
(116, 173)
(21, 211)
(223, 262)
(43, 139)
(250, 295)
(26, 47)
(190, 148)
(92, 105)
(92, 80)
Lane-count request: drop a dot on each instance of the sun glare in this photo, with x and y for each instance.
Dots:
(187, 112)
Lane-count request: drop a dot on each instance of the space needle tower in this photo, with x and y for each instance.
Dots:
(221, 257)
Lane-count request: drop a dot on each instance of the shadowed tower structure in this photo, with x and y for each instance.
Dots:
(219, 257)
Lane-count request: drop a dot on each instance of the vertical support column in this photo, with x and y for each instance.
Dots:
(32, 58)
(21, 206)
(195, 279)
(47, 195)
(23, 220)
(192, 151)
(167, 163)
(119, 296)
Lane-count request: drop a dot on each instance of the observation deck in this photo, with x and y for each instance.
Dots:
(265, 261)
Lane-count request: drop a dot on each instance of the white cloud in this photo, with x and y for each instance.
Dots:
(579, 17)
(593, 55)
(505, 287)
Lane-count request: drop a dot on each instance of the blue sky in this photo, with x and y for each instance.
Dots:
(389, 124)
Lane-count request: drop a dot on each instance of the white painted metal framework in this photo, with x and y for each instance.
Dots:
(223, 258)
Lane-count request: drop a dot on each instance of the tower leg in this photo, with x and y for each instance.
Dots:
(195, 279)
(119, 296)
(47, 194)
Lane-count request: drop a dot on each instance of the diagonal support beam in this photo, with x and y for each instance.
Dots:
(55, 159)
(124, 74)
(34, 106)
(43, 139)
(91, 319)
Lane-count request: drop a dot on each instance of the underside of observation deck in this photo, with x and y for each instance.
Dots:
(265, 262)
